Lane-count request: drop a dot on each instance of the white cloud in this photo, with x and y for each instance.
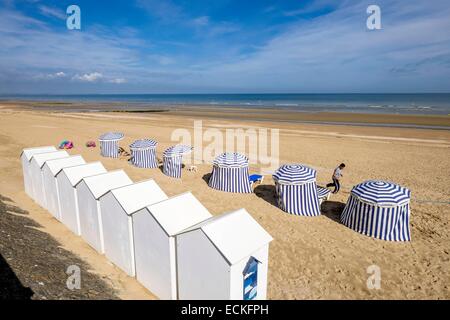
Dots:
(50, 76)
(314, 6)
(222, 28)
(117, 80)
(337, 53)
(333, 52)
(161, 59)
(201, 21)
(29, 44)
(52, 12)
(165, 10)
(89, 77)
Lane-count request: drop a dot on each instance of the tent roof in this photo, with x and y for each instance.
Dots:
(102, 183)
(111, 136)
(56, 165)
(138, 195)
(29, 152)
(178, 213)
(294, 174)
(381, 193)
(235, 234)
(77, 173)
(41, 158)
(231, 160)
(144, 144)
(177, 150)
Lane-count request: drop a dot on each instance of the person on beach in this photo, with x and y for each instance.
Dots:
(337, 174)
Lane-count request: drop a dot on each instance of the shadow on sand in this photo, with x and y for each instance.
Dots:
(10, 286)
(267, 193)
(161, 166)
(33, 264)
(332, 210)
(206, 177)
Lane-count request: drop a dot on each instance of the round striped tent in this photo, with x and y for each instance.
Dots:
(323, 194)
(230, 173)
(109, 144)
(379, 209)
(172, 159)
(296, 190)
(143, 153)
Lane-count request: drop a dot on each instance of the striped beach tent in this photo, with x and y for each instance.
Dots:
(172, 159)
(230, 173)
(296, 190)
(323, 194)
(109, 144)
(143, 153)
(379, 209)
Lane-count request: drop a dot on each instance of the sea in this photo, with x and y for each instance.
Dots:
(425, 103)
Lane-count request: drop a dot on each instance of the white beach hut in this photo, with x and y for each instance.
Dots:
(117, 208)
(50, 170)
(25, 157)
(68, 179)
(37, 162)
(224, 257)
(89, 191)
(155, 228)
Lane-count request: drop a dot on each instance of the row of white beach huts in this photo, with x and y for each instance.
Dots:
(172, 245)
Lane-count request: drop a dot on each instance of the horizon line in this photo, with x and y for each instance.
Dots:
(217, 93)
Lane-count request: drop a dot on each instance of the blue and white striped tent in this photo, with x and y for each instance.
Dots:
(323, 194)
(379, 209)
(296, 190)
(109, 144)
(143, 153)
(172, 159)
(230, 173)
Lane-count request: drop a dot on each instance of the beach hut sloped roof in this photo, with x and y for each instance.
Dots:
(231, 159)
(179, 212)
(41, 158)
(381, 193)
(57, 165)
(102, 183)
(29, 152)
(110, 136)
(235, 234)
(294, 174)
(136, 196)
(77, 173)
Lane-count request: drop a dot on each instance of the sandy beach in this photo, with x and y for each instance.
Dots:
(310, 258)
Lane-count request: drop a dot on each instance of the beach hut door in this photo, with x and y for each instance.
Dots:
(250, 279)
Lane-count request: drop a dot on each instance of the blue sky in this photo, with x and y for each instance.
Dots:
(224, 46)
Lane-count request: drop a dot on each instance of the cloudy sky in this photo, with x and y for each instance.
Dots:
(224, 46)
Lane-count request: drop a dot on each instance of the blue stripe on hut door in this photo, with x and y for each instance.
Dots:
(250, 275)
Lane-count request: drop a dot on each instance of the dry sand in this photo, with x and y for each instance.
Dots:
(310, 258)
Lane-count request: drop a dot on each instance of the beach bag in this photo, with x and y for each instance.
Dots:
(66, 144)
(91, 144)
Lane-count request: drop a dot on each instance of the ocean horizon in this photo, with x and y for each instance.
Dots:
(390, 103)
